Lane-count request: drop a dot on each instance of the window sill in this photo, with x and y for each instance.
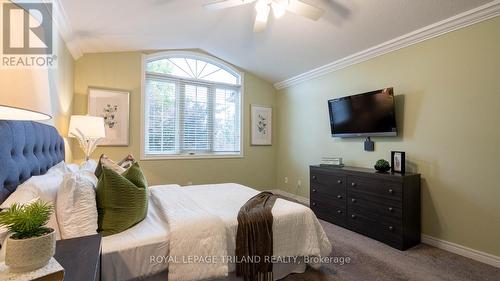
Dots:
(187, 156)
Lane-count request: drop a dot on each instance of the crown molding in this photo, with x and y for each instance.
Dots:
(65, 29)
(470, 17)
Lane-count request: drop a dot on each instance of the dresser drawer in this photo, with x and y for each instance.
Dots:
(381, 210)
(388, 233)
(335, 196)
(380, 188)
(333, 214)
(332, 181)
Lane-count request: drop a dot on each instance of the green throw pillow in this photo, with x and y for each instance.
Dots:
(122, 200)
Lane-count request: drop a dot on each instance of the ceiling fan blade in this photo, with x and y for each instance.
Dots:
(223, 4)
(261, 19)
(306, 10)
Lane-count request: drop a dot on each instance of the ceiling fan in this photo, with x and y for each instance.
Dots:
(264, 7)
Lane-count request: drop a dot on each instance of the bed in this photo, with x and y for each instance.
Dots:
(28, 149)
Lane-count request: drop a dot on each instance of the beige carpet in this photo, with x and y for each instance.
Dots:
(372, 260)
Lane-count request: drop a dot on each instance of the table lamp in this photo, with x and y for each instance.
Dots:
(25, 94)
(88, 130)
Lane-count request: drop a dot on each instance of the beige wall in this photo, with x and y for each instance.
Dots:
(61, 91)
(123, 71)
(448, 106)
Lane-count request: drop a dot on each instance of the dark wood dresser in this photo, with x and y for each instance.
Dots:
(382, 206)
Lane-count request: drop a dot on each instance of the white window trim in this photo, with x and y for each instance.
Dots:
(145, 58)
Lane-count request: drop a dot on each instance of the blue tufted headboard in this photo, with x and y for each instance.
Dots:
(26, 149)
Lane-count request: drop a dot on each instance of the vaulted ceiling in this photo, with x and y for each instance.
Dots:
(289, 46)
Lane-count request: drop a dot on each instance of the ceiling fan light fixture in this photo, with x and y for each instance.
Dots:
(262, 16)
(262, 6)
(278, 10)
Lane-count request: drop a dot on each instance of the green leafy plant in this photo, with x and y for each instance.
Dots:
(382, 165)
(26, 221)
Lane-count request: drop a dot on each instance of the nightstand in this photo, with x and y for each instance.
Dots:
(80, 257)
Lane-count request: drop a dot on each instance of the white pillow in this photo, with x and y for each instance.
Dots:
(45, 187)
(4, 232)
(76, 205)
(73, 167)
(89, 165)
(60, 168)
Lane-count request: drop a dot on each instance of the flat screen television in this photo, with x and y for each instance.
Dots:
(365, 115)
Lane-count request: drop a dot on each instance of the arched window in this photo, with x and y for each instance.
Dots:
(192, 106)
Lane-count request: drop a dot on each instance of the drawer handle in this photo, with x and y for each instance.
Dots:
(391, 228)
(391, 209)
(339, 181)
(314, 203)
(391, 191)
(314, 190)
(353, 216)
(313, 177)
(339, 196)
(353, 200)
(339, 211)
(353, 184)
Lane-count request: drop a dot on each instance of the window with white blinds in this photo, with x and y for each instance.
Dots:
(192, 107)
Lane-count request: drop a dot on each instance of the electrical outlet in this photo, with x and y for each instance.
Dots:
(286, 179)
(299, 183)
(190, 183)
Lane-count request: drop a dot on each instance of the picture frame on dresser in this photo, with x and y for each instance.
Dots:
(398, 160)
(114, 106)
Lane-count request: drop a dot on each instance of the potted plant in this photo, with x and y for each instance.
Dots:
(382, 166)
(30, 245)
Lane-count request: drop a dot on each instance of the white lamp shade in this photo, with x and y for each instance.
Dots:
(24, 94)
(90, 126)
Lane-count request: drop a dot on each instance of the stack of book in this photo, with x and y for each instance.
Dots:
(331, 162)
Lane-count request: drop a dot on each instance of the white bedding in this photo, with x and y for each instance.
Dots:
(296, 230)
(194, 232)
(126, 255)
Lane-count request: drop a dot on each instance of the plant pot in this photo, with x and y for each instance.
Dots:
(382, 169)
(23, 255)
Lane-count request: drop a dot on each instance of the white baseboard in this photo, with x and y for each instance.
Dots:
(461, 250)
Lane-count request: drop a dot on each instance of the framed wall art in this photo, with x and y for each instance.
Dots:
(113, 106)
(261, 125)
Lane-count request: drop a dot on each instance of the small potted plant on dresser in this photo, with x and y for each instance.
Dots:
(30, 245)
(382, 166)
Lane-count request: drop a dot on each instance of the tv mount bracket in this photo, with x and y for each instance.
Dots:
(369, 144)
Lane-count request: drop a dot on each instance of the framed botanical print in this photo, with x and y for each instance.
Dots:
(113, 106)
(261, 125)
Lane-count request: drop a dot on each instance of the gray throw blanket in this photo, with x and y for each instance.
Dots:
(254, 239)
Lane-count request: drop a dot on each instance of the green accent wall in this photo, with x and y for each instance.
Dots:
(448, 109)
(123, 71)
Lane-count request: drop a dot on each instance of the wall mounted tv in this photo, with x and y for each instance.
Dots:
(365, 115)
